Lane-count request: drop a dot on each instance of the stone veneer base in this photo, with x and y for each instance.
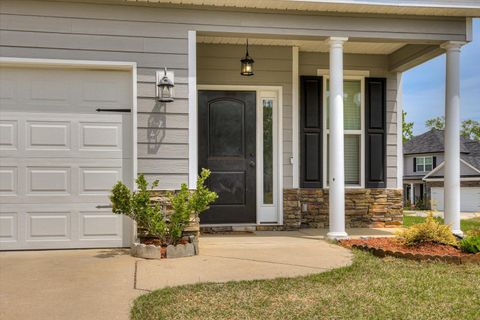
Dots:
(364, 208)
(308, 208)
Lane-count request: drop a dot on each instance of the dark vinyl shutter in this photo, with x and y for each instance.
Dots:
(310, 132)
(414, 164)
(434, 161)
(375, 132)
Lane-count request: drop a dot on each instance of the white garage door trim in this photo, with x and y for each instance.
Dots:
(128, 226)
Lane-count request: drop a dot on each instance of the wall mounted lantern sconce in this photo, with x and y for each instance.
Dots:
(247, 64)
(165, 86)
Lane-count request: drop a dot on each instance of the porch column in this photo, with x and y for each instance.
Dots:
(412, 195)
(452, 137)
(336, 170)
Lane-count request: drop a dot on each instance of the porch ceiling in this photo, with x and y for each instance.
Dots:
(307, 45)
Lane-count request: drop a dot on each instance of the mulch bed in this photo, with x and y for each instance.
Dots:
(424, 251)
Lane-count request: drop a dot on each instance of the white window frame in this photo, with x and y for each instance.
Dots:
(424, 158)
(360, 132)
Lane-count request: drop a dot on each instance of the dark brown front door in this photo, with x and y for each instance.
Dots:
(226, 133)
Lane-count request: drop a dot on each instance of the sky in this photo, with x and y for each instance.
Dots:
(424, 86)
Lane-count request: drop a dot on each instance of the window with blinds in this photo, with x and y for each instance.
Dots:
(352, 122)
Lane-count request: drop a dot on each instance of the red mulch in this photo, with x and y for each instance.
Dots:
(392, 244)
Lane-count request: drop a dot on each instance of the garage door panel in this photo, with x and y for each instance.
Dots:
(60, 157)
(8, 180)
(94, 224)
(469, 199)
(51, 180)
(48, 135)
(8, 227)
(100, 136)
(8, 134)
(98, 180)
(48, 225)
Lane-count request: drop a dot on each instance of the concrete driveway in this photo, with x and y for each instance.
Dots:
(102, 283)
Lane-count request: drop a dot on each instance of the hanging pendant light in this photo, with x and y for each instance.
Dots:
(247, 64)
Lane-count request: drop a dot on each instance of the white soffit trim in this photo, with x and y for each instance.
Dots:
(465, 8)
(359, 73)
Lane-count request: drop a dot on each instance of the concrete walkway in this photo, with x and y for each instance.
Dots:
(102, 283)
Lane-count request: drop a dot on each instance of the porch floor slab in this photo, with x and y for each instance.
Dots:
(102, 283)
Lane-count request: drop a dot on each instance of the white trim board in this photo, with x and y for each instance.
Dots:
(262, 92)
(295, 119)
(360, 73)
(129, 227)
(192, 111)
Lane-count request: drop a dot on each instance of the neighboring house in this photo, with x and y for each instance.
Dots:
(424, 172)
(79, 110)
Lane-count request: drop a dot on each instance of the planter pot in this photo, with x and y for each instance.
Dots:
(150, 251)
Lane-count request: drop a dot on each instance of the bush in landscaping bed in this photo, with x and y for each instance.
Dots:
(471, 243)
(429, 231)
(167, 228)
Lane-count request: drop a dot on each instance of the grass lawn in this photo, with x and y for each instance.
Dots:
(464, 224)
(371, 288)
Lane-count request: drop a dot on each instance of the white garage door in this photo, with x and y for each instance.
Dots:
(60, 158)
(469, 199)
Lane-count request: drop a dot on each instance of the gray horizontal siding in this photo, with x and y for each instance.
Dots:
(156, 37)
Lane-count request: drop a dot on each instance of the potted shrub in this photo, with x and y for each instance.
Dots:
(161, 233)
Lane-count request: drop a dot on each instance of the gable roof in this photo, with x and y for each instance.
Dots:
(473, 157)
(433, 142)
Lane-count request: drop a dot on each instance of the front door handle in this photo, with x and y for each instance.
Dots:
(251, 163)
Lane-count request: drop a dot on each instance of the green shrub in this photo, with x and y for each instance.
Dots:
(471, 243)
(428, 231)
(168, 228)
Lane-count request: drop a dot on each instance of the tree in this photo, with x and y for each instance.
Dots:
(407, 128)
(470, 129)
(436, 123)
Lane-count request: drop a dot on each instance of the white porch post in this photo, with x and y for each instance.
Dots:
(336, 170)
(412, 195)
(452, 137)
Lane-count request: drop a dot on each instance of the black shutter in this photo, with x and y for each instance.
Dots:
(311, 132)
(414, 164)
(375, 132)
(434, 162)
